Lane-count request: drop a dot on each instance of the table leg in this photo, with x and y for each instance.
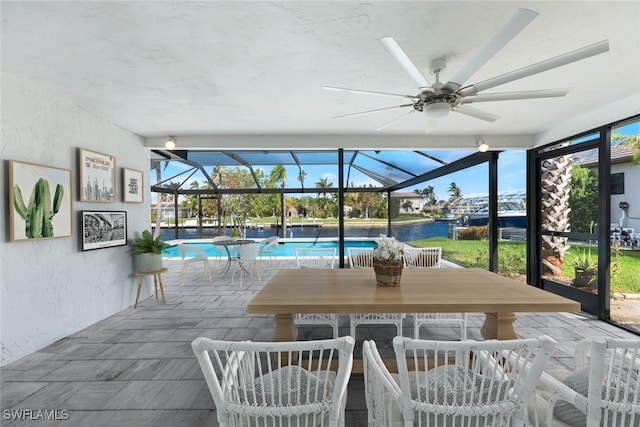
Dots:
(161, 287)
(498, 326)
(138, 294)
(225, 270)
(285, 328)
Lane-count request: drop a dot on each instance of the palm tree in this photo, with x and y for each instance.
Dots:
(324, 183)
(301, 176)
(192, 199)
(157, 166)
(428, 195)
(455, 192)
(278, 175)
(618, 138)
(556, 180)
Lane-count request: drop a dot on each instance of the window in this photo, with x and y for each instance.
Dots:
(617, 183)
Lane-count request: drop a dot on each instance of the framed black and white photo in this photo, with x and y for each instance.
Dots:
(97, 177)
(132, 188)
(103, 229)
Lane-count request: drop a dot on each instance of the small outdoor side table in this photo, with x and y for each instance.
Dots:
(157, 280)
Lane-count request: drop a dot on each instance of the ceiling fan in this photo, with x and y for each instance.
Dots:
(437, 100)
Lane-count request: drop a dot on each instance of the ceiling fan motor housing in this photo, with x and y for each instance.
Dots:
(437, 106)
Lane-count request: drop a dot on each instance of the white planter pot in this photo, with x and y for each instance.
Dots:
(148, 262)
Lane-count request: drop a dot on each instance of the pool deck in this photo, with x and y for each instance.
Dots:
(136, 368)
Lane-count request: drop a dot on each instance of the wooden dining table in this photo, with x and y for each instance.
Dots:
(425, 290)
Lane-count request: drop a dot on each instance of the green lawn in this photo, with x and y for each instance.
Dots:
(512, 258)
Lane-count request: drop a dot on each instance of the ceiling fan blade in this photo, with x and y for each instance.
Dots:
(558, 61)
(474, 112)
(362, 113)
(514, 26)
(511, 96)
(396, 120)
(369, 92)
(409, 67)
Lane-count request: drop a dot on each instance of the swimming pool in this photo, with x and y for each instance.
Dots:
(284, 249)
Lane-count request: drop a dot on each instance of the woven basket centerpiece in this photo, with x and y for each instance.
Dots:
(388, 273)
(387, 261)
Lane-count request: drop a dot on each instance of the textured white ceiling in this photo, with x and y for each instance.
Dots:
(162, 68)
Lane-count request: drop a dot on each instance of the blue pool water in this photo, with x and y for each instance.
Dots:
(283, 249)
(404, 232)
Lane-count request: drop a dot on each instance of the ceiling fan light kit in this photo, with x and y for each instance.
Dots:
(437, 100)
(437, 110)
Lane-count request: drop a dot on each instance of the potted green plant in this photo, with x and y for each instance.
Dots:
(586, 270)
(148, 251)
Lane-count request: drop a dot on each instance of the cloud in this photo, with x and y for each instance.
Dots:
(328, 176)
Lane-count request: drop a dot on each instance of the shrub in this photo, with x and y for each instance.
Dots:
(474, 233)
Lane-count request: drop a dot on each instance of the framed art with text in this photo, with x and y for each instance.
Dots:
(103, 229)
(40, 200)
(97, 177)
(132, 188)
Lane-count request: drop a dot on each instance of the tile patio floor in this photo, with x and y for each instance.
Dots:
(136, 368)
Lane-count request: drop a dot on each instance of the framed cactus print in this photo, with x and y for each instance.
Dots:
(103, 229)
(97, 177)
(40, 200)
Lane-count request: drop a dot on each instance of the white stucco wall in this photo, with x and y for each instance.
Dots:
(631, 195)
(50, 289)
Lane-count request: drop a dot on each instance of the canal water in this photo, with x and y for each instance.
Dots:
(403, 232)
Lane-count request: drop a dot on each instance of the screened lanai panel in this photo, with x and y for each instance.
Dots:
(171, 174)
(196, 181)
(317, 157)
(447, 156)
(394, 166)
(355, 178)
(212, 158)
(414, 162)
(390, 172)
(267, 158)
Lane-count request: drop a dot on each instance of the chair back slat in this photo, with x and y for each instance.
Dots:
(360, 257)
(315, 257)
(422, 257)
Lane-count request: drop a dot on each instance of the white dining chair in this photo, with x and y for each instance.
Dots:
(302, 383)
(602, 389)
(422, 257)
(200, 256)
(317, 258)
(432, 258)
(475, 383)
(363, 258)
(246, 261)
(381, 390)
(267, 248)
